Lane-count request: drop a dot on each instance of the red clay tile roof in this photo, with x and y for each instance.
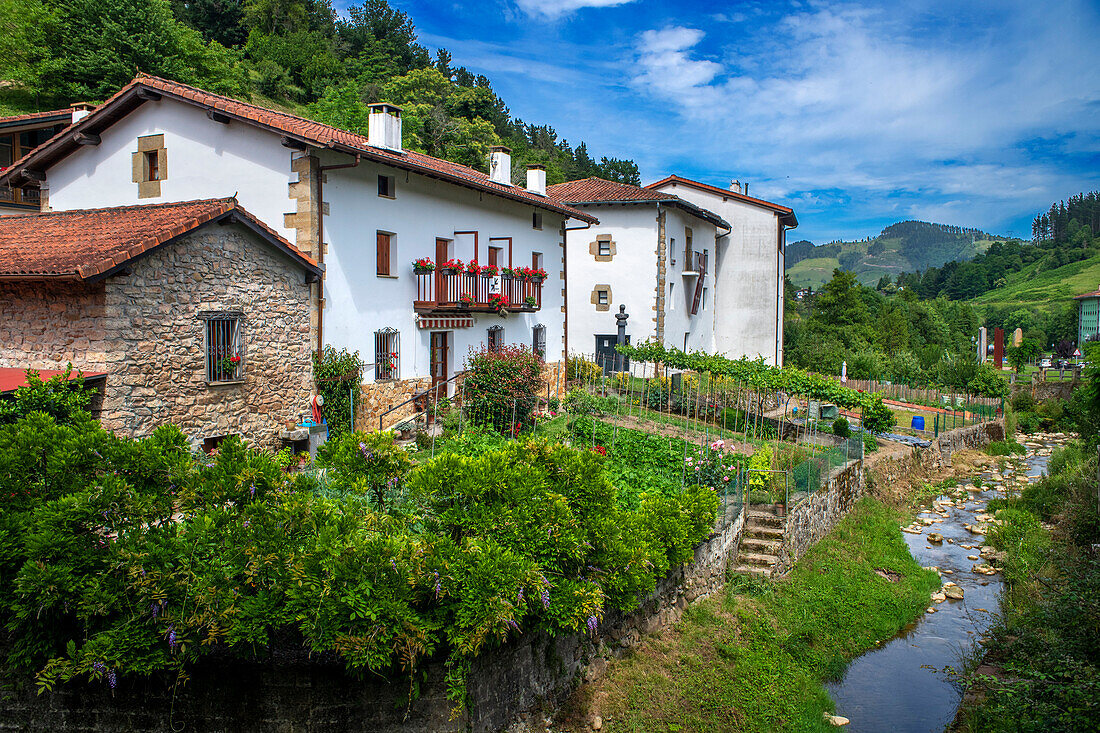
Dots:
(12, 378)
(1088, 295)
(85, 243)
(34, 116)
(588, 191)
(786, 211)
(292, 126)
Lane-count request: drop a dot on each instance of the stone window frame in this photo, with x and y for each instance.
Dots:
(387, 368)
(234, 321)
(147, 147)
(595, 247)
(595, 298)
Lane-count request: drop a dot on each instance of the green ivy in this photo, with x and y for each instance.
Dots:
(338, 374)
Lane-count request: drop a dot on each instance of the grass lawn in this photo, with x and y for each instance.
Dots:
(754, 658)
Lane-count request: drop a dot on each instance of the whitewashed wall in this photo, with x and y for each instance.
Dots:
(206, 159)
(749, 277)
(359, 302)
(678, 319)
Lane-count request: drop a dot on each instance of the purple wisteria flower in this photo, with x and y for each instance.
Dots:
(512, 624)
(112, 679)
(252, 491)
(519, 597)
(544, 594)
(99, 667)
(438, 587)
(592, 624)
(172, 638)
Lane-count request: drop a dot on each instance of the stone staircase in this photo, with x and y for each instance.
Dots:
(760, 543)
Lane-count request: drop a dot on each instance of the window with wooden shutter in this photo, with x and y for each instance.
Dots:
(383, 253)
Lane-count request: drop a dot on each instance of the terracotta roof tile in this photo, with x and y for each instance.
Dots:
(298, 128)
(593, 190)
(1095, 294)
(31, 117)
(83, 243)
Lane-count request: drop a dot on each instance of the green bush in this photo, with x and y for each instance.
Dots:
(338, 374)
(841, 428)
(1005, 448)
(870, 443)
(579, 369)
(368, 464)
(58, 397)
(501, 387)
(1027, 422)
(1023, 401)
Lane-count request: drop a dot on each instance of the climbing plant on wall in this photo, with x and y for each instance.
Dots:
(338, 374)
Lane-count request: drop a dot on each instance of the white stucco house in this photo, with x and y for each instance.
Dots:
(363, 207)
(748, 274)
(653, 253)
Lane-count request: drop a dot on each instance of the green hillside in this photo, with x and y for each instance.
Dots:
(903, 247)
(1047, 289)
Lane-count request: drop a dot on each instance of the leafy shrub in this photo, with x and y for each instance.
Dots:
(501, 386)
(338, 374)
(620, 380)
(1004, 448)
(759, 462)
(716, 468)
(1023, 401)
(658, 390)
(870, 443)
(1024, 539)
(64, 400)
(1027, 422)
(841, 428)
(582, 370)
(369, 464)
(582, 402)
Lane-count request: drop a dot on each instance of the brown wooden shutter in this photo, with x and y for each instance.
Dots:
(383, 254)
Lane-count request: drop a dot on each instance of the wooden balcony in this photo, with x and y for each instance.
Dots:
(450, 292)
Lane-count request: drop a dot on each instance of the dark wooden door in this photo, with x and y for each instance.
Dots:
(606, 356)
(439, 352)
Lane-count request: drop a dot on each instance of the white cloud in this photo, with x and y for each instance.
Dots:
(902, 111)
(557, 8)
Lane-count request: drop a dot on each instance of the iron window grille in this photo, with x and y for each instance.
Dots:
(387, 354)
(538, 343)
(224, 357)
(601, 297)
(496, 338)
(604, 248)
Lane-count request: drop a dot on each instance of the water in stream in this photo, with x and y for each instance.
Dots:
(899, 686)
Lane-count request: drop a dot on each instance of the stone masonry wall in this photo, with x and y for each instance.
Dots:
(813, 518)
(47, 325)
(377, 397)
(295, 693)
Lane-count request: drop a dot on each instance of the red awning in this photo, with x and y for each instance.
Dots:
(445, 322)
(12, 378)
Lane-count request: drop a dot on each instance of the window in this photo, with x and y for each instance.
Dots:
(704, 299)
(383, 253)
(671, 302)
(536, 220)
(604, 247)
(538, 340)
(496, 338)
(536, 260)
(224, 361)
(387, 187)
(687, 248)
(152, 165)
(495, 256)
(601, 297)
(387, 354)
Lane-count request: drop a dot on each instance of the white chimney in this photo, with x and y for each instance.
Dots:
(384, 126)
(81, 110)
(536, 179)
(735, 186)
(500, 164)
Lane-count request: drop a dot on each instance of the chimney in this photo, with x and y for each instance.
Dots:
(536, 179)
(81, 110)
(500, 164)
(735, 186)
(384, 126)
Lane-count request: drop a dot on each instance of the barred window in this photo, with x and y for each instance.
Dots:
(496, 338)
(538, 340)
(387, 354)
(604, 247)
(224, 360)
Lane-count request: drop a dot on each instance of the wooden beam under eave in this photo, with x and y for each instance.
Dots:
(39, 176)
(293, 144)
(218, 116)
(86, 138)
(149, 95)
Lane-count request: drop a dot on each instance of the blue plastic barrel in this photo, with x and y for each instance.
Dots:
(918, 422)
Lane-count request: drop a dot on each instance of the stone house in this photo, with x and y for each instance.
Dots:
(198, 313)
(364, 206)
(651, 252)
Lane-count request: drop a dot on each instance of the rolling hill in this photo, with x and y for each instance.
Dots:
(1046, 290)
(903, 247)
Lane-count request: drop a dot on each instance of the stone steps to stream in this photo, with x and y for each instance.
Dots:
(761, 542)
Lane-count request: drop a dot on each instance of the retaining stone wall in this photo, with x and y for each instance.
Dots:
(377, 397)
(296, 693)
(813, 518)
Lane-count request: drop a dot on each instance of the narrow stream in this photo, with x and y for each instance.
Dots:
(899, 686)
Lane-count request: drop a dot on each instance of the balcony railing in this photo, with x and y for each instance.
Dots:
(461, 291)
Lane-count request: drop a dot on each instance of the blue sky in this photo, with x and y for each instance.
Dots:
(855, 114)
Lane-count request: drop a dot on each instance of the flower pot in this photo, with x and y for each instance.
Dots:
(421, 271)
(447, 271)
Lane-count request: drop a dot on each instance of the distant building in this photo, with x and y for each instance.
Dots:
(802, 293)
(749, 268)
(1088, 320)
(20, 135)
(652, 252)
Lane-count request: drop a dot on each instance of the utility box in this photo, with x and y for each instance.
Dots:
(823, 411)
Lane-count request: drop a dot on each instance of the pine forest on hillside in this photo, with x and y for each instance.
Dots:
(297, 55)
